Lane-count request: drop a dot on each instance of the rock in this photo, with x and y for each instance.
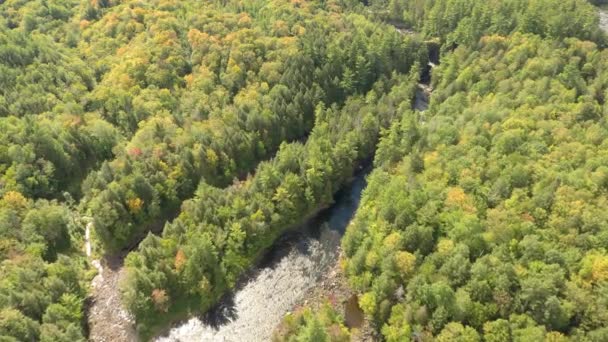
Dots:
(399, 293)
(604, 20)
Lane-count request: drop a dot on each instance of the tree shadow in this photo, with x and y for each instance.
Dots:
(222, 313)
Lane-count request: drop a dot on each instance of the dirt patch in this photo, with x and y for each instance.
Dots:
(108, 320)
(353, 315)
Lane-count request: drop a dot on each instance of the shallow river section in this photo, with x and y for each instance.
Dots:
(288, 271)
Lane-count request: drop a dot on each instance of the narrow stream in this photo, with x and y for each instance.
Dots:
(288, 271)
(423, 92)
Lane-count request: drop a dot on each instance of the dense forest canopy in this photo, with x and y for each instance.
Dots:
(484, 218)
(114, 111)
(458, 22)
(221, 232)
(248, 89)
(490, 212)
(219, 125)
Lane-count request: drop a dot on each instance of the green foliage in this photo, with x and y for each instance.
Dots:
(48, 140)
(220, 233)
(458, 22)
(246, 88)
(130, 106)
(14, 326)
(324, 324)
(488, 209)
(41, 295)
(40, 75)
(503, 208)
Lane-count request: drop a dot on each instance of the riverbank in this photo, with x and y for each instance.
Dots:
(333, 288)
(282, 280)
(603, 11)
(217, 314)
(108, 320)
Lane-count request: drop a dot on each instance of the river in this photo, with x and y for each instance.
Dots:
(293, 267)
(284, 276)
(289, 270)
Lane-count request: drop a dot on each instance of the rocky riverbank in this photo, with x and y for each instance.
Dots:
(604, 19)
(298, 263)
(333, 287)
(108, 320)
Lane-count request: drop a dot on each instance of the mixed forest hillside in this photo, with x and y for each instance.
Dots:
(191, 135)
(492, 219)
(483, 219)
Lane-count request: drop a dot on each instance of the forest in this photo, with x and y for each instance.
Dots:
(492, 220)
(193, 135)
